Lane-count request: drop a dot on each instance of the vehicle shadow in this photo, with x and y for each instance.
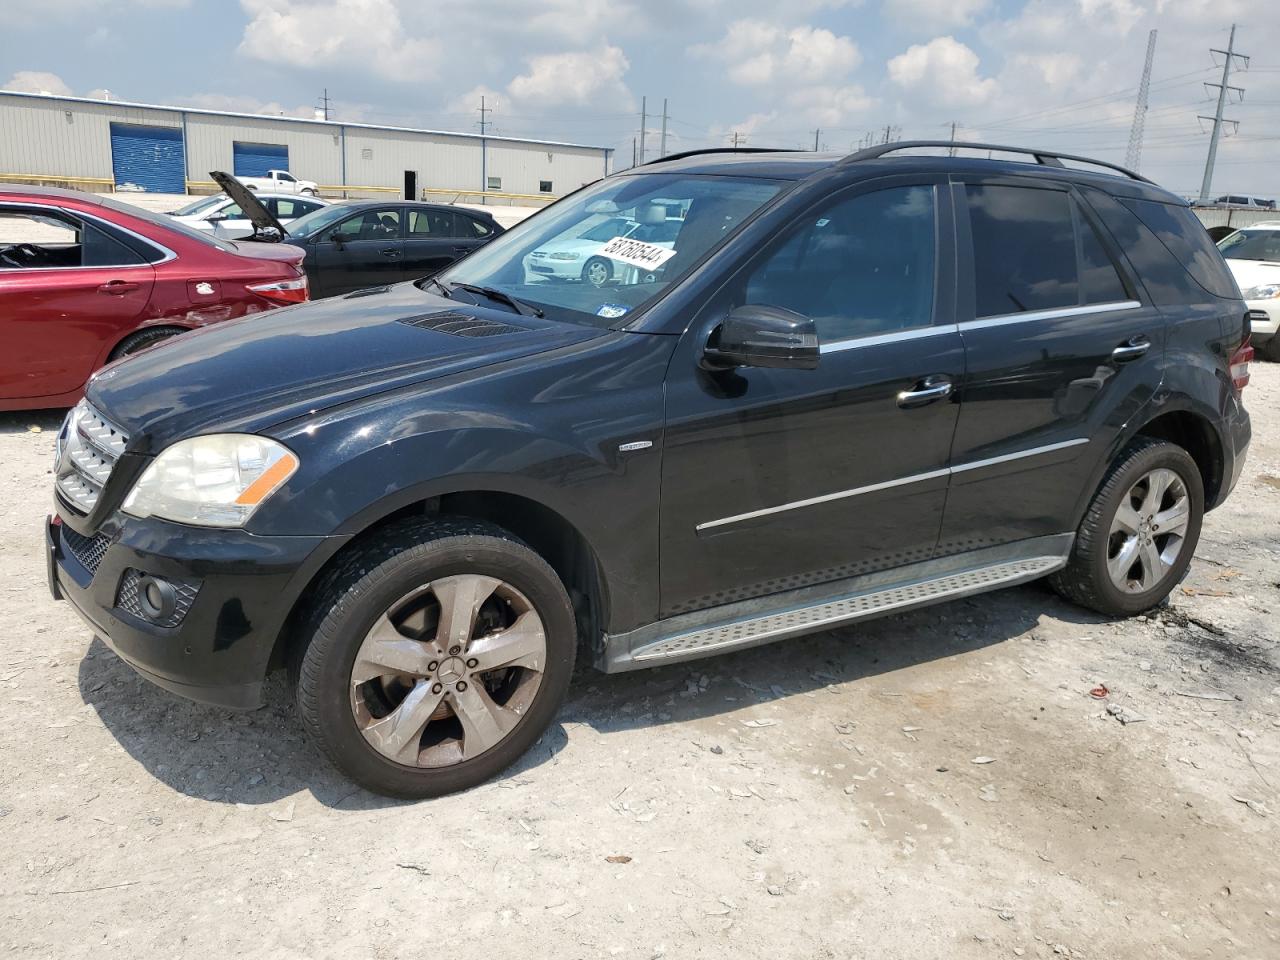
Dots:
(21, 421)
(263, 756)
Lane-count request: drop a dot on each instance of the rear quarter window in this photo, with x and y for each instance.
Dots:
(1185, 237)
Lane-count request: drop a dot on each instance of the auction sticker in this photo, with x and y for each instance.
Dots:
(646, 256)
(611, 311)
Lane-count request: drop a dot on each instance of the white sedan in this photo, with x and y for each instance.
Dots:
(222, 216)
(577, 258)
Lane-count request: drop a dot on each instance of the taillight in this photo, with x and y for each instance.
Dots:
(1240, 364)
(282, 291)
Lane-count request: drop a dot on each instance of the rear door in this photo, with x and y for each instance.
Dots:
(364, 250)
(774, 478)
(69, 289)
(430, 242)
(1061, 350)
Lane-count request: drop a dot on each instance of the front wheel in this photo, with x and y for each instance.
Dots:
(598, 271)
(435, 655)
(1137, 537)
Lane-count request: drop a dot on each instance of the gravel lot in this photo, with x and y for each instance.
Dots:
(827, 797)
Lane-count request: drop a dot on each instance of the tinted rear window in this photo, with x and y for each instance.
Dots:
(1024, 250)
(1186, 238)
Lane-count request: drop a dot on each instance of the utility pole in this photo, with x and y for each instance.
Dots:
(738, 139)
(1133, 156)
(662, 150)
(817, 133)
(633, 151)
(890, 133)
(952, 151)
(644, 119)
(1229, 55)
(485, 110)
(324, 103)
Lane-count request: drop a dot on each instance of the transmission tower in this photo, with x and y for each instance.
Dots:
(1134, 154)
(1229, 56)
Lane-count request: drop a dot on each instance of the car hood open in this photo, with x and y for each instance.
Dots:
(250, 374)
(253, 208)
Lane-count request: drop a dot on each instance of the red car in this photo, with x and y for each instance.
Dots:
(85, 280)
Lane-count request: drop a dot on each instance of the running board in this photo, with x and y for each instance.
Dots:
(755, 622)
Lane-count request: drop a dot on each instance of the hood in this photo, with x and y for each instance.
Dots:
(250, 374)
(250, 205)
(1251, 273)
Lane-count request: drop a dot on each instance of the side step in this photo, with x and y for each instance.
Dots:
(752, 623)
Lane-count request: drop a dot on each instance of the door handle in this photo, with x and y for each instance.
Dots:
(118, 287)
(1132, 350)
(462, 249)
(926, 391)
(391, 253)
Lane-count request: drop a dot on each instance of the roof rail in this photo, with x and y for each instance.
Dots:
(697, 153)
(1047, 158)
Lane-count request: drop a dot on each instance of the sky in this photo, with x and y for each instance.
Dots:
(1057, 74)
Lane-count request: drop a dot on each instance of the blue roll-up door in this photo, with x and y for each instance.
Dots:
(255, 159)
(147, 157)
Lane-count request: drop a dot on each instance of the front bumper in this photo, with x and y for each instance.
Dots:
(1264, 318)
(239, 590)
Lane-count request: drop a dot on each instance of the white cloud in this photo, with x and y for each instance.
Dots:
(37, 81)
(934, 14)
(312, 33)
(251, 104)
(759, 53)
(573, 78)
(943, 72)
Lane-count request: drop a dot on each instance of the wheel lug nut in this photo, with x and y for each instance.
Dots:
(454, 651)
(461, 686)
(432, 667)
(472, 663)
(436, 688)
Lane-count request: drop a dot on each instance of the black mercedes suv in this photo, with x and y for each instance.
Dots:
(848, 386)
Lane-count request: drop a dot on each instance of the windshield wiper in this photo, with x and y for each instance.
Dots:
(519, 306)
(443, 289)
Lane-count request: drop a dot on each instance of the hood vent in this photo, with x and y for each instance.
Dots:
(367, 292)
(462, 325)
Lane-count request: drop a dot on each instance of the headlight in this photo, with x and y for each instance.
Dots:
(1263, 291)
(213, 481)
(566, 256)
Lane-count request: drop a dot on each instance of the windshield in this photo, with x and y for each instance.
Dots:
(317, 220)
(1252, 245)
(645, 233)
(199, 206)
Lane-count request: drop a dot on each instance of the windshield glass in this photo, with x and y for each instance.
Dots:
(1252, 245)
(317, 220)
(199, 206)
(613, 247)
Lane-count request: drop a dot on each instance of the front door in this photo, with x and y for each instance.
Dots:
(1061, 352)
(776, 479)
(364, 250)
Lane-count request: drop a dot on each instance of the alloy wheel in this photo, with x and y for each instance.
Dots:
(597, 274)
(448, 671)
(1148, 532)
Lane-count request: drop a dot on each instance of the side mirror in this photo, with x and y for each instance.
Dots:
(761, 336)
(215, 218)
(336, 237)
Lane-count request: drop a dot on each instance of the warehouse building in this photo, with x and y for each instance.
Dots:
(108, 145)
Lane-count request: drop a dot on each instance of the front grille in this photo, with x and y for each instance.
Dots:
(127, 599)
(462, 325)
(88, 447)
(88, 550)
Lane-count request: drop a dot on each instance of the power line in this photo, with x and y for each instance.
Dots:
(738, 139)
(1228, 56)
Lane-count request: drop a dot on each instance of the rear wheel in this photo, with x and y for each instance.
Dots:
(143, 340)
(437, 654)
(308, 192)
(1270, 349)
(1136, 540)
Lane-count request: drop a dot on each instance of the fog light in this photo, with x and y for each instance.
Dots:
(157, 598)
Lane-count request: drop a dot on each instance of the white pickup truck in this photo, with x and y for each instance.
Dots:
(280, 181)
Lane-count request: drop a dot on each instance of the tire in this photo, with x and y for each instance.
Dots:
(1270, 349)
(1096, 575)
(410, 562)
(143, 340)
(597, 271)
(309, 193)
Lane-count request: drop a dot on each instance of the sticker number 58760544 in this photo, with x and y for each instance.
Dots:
(646, 256)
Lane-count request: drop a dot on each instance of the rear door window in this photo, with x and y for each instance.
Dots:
(431, 224)
(1024, 249)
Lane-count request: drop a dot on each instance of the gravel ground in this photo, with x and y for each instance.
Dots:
(934, 784)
